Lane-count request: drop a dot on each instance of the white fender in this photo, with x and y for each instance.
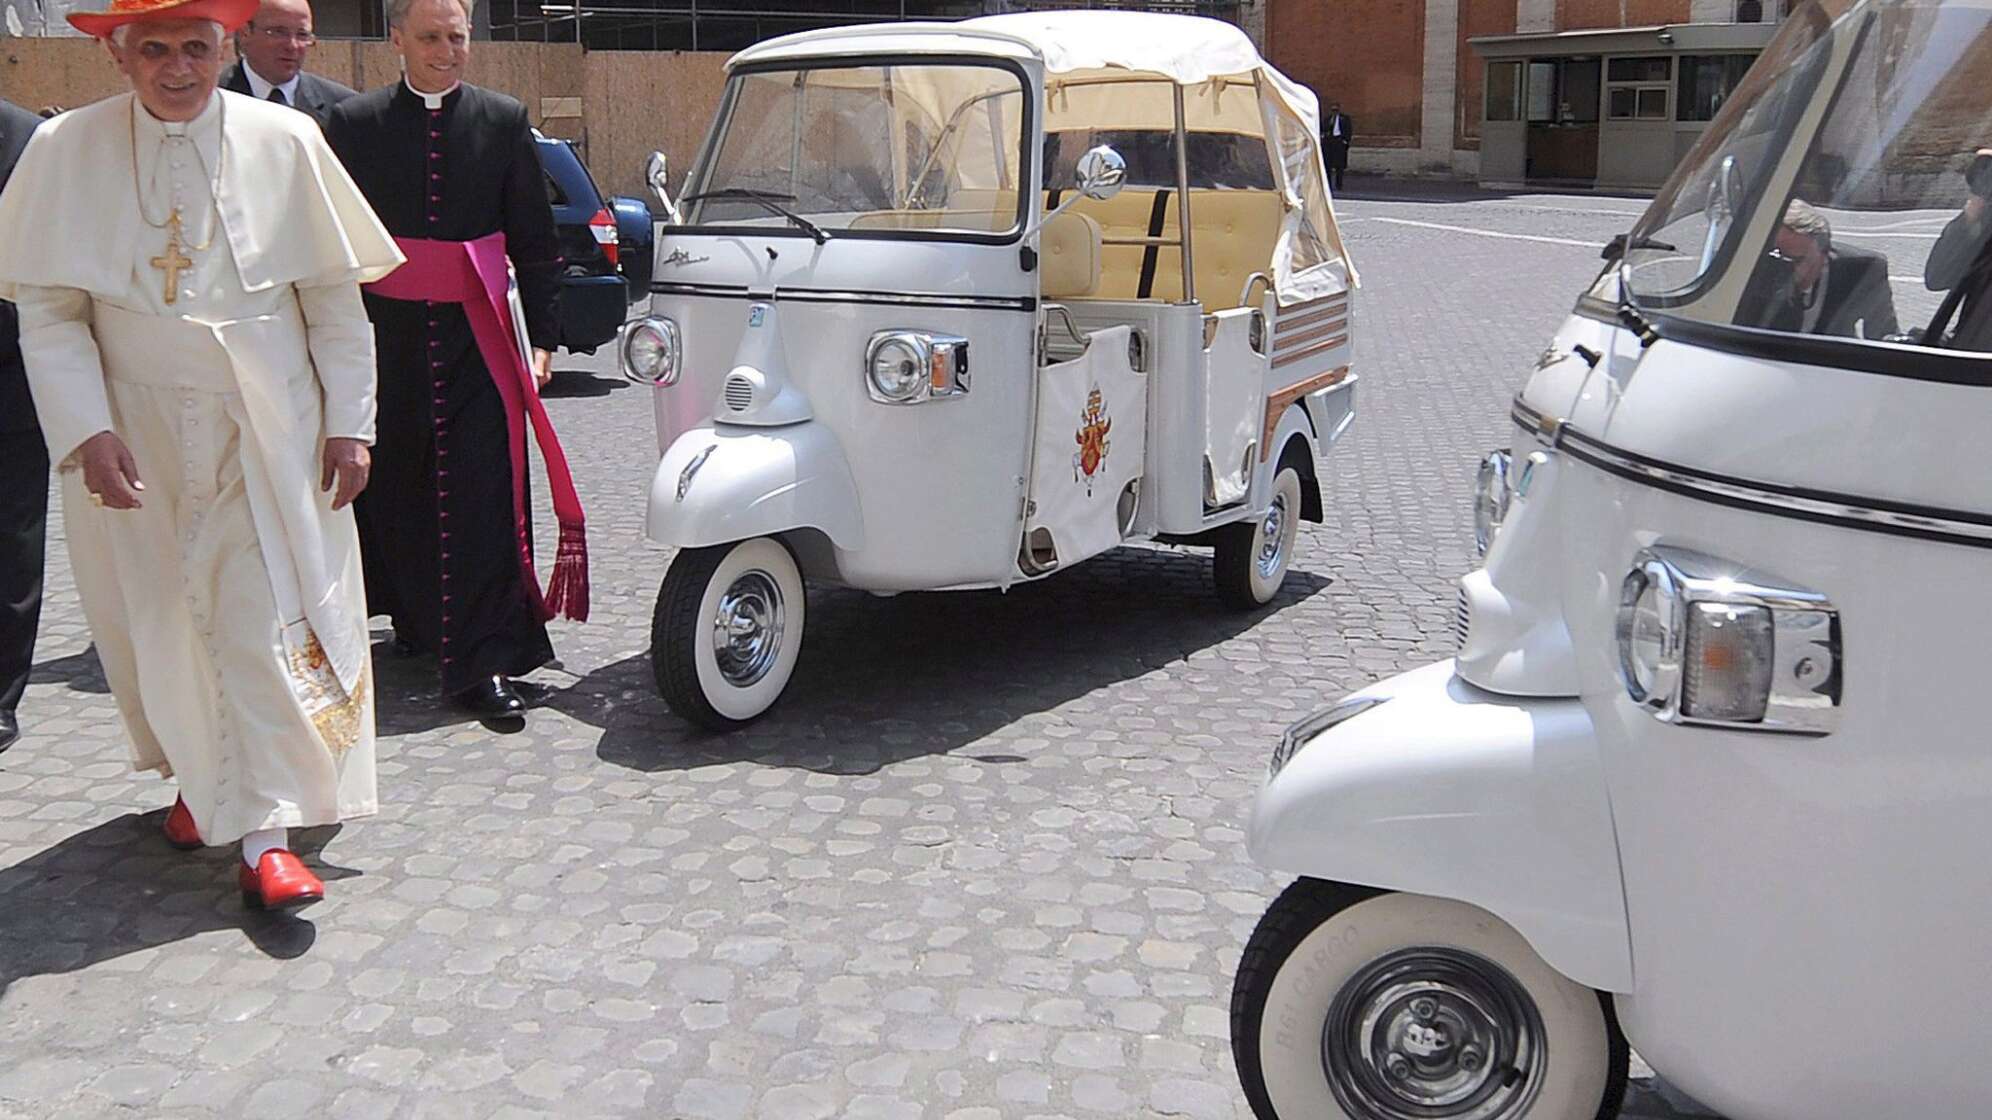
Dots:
(726, 483)
(1443, 789)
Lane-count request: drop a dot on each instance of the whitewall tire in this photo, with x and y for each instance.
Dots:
(1253, 556)
(727, 631)
(1355, 1005)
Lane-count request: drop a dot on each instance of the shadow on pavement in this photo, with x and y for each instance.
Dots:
(117, 889)
(883, 679)
(581, 383)
(80, 672)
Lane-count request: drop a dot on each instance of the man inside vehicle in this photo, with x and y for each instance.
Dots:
(1961, 263)
(1808, 285)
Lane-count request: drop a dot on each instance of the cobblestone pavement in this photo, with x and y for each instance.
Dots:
(986, 860)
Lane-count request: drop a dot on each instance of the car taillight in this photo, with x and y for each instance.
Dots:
(603, 226)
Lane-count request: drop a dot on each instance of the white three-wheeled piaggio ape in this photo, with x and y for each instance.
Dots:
(956, 306)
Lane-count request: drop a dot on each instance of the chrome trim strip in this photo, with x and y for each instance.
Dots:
(1849, 511)
(829, 295)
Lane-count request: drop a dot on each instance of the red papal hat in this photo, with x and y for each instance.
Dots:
(230, 14)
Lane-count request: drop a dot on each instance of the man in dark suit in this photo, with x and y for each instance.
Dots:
(273, 47)
(1808, 285)
(23, 480)
(1337, 133)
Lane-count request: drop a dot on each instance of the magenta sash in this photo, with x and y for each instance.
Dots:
(475, 274)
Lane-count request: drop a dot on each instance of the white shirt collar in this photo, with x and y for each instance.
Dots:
(430, 100)
(262, 88)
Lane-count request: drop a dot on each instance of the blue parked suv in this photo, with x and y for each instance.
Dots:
(602, 240)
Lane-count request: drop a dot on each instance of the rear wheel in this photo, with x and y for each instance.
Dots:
(727, 631)
(1252, 556)
(1354, 1005)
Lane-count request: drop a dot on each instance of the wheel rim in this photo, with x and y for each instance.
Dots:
(747, 628)
(1272, 539)
(1433, 1034)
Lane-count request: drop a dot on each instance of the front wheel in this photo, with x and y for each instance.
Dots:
(727, 631)
(1355, 1005)
(1252, 556)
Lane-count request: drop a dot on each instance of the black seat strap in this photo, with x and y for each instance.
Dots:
(1152, 254)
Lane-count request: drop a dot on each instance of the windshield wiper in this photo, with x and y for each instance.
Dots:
(770, 201)
(1619, 245)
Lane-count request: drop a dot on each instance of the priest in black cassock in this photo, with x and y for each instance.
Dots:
(453, 173)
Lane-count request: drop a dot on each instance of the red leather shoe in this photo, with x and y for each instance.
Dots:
(279, 881)
(180, 830)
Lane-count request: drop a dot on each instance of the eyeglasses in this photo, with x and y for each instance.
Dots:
(280, 34)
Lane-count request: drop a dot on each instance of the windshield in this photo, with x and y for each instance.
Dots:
(1844, 190)
(857, 148)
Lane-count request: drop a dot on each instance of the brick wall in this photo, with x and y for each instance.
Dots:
(1369, 54)
(1476, 17)
(1577, 15)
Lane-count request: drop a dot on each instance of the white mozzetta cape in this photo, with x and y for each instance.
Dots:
(290, 213)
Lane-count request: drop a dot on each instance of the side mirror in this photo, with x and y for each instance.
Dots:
(657, 172)
(1101, 173)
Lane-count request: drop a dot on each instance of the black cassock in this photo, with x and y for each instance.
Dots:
(441, 548)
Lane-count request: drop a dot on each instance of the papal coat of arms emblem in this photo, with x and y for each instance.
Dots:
(1094, 424)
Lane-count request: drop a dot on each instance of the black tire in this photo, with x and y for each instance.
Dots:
(675, 659)
(1300, 910)
(1234, 564)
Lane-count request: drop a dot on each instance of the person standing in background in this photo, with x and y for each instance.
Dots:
(269, 66)
(1337, 133)
(23, 481)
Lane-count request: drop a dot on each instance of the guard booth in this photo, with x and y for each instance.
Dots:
(1613, 109)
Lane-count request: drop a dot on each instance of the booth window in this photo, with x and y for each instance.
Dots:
(1504, 91)
(1637, 88)
(1706, 81)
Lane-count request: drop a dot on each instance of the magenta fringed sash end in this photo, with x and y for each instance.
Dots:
(567, 590)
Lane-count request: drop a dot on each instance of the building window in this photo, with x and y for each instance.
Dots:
(1636, 89)
(1504, 91)
(1706, 82)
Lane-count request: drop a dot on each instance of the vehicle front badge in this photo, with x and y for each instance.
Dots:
(756, 315)
(679, 256)
(692, 468)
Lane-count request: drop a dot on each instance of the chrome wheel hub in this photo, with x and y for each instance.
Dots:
(1433, 1034)
(1272, 539)
(747, 628)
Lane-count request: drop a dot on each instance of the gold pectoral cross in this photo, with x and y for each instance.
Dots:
(172, 262)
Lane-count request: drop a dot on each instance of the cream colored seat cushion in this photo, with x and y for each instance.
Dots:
(1069, 253)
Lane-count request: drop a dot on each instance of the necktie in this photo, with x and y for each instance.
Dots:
(277, 95)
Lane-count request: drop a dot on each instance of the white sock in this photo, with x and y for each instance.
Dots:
(263, 840)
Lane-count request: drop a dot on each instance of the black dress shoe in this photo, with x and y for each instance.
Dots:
(494, 699)
(10, 729)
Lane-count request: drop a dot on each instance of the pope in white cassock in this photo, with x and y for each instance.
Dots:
(187, 265)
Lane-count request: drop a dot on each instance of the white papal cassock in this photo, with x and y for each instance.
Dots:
(229, 611)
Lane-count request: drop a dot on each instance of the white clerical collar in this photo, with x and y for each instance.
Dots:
(262, 88)
(429, 100)
(152, 127)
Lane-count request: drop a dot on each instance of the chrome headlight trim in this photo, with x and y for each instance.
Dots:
(652, 350)
(939, 360)
(1306, 730)
(1672, 605)
(1490, 499)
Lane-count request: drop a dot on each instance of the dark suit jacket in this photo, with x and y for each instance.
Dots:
(315, 95)
(1329, 139)
(17, 409)
(1856, 302)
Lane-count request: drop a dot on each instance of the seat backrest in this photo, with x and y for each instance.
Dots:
(1232, 235)
(1131, 214)
(1069, 253)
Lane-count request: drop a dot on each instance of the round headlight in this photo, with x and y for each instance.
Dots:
(897, 367)
(1490, 499)
(651, 351)
(1650, 621)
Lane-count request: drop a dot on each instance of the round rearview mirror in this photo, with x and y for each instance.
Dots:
(1101, 173)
